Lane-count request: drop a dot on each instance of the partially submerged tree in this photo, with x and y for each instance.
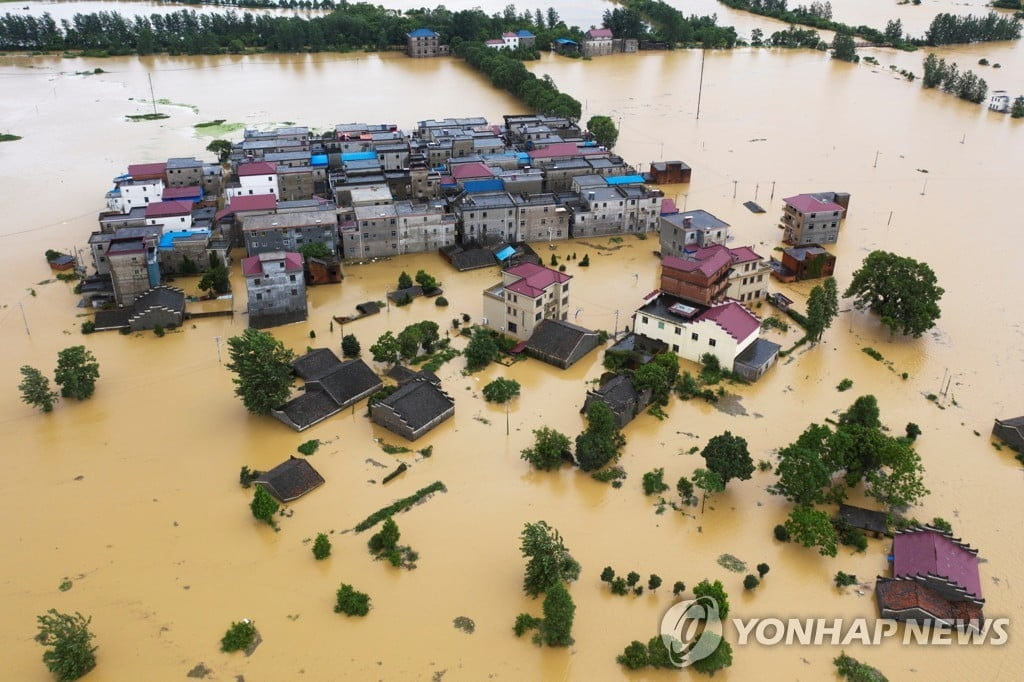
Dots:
(709, 482)
(548, 560)
(501, 390)
(559, 610)
(727, 456)
(350, 347)
(481, 349)
(263, 370)
(426, 281)
(604, 130)
(813, 528)
(351, 602)
(264, 506)
(321, 547)
(822, 309)
(404, 280)
(76, 373)
(35, 389)
(601, 441)
(715, 591)
(386, 348)
(902, 291)
(550, 448)
(69, 652)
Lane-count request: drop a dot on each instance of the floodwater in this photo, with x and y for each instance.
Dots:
(133, 495)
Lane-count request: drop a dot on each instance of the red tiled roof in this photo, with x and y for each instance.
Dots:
(142, 169)
(807, 203)
(257, 168)
(743, 254)
(535, 279)
(926, 551)
(903, 595)
(707, 261)
(736, 320)
(181, 192)
(668, 207)
(495, 41)
(253, 202)
(254, 266)
(163, 209)
(557, 149)
(475, 169)
(509, 34)
(599, 33)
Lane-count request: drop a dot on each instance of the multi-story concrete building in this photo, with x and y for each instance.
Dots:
(99, 243)
(423, 43)
(814, 218)
(487, 217)
(289, 231)
(170, 215)
(747, 275)
(527, 294)
(182, 172)
(423, 227)
(276, 289)
(689, 230)
(597, 42)
(700, 282)
(258, 177)
(134, 268)
(371, 233)
(539, 218)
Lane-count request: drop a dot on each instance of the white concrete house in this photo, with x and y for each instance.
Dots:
(255, 178)
(999, 101)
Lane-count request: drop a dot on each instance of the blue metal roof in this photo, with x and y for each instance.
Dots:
(505, 253)
(359, 156)
(489, 185)
(422, 33)
(565, 41)
(318, 160)
(525, 34)
(167, 238)
(625, 180)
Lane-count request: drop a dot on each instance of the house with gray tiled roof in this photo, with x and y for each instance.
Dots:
(331, 385)
(290, 479)
(560, 343)
(416, 407)
(621, 397)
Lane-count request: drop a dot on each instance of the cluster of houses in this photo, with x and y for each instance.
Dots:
(425, 42)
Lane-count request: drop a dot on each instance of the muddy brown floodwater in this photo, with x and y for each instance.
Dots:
(133, 495)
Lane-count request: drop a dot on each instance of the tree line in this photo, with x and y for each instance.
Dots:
(668, 25)
(946, 76)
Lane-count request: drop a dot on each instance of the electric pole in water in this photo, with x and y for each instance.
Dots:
(152, 97)
(23, 318)
(734, 188)
(217, 339)
(700, 87)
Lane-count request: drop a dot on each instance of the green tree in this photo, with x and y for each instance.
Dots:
(750, 582)
(428, 283)
(720, 658)
(685, 489)
(315, 250)
(822, 309)
(222, 148)
(902, 291)
(1017, 108)
(654, 482)
(216, 280)
(263, 370)
(863, 412)
(76, 373)
(762, 570)
(844, 48)
(550, 449)
(264, 506)
(238, 637)
(69, 652)
(812, 528)
(548, 560)
(350, 347)
(35, 389)
(604, 130)
(899, 480)
(404, 280)
(601, 441)
(351, 602)
(501, 390)
(715, 591)
(894, 31)
(481, 349)
(653, 582)
(409, 341)
(655, 377)
(321, 546)
(634, 657)
(709, 482)
(851, 669)
(386, 349)
(559, 610)
(386, 539)
(608, 574)
(727, 456)
(804, 471)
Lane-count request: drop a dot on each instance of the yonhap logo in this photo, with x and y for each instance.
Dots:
(691, 630)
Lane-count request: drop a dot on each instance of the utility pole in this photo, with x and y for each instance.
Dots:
(773, 190)
(616, 334)
(756, 187)
(387, 301)
(734, 188)
(890, 219)
(700, 87)
(152, 97)
(877, 152)
(925, 186)
(506, 418)
(217, 339)
(686, 200)
(23, 318)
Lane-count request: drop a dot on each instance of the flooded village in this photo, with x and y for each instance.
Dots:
(127, 506)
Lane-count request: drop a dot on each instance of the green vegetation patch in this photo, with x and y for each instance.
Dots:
(146, 117)
(8, 137)
(731, 563)
(399, 506)
(218, 128)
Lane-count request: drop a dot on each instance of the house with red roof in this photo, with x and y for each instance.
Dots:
(597, 42)
(527, 294)
(814, 218)
(276, 288)
(935, 579)
(748, 276)
(171, 215)
(258, 177)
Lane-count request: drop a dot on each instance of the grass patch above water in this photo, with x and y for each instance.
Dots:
(399, 506)
(8, 137)
(218, 128)
(731, 563)
(146, 117)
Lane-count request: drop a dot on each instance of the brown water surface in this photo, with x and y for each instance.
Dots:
(133, 494)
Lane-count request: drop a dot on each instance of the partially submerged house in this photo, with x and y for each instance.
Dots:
(161, 306)
(416, 407)
(291, 479)
(560, 343)
(669, 172)
(621, 397)
(331, 386)
(876, 522)
(1011, 432)
(934, 580)
(814, 218)
(807, 261)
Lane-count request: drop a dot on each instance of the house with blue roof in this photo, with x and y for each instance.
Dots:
(424, 42)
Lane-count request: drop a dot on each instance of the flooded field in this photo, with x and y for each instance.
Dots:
(133, 495)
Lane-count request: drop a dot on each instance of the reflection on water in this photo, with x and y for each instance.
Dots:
(133, 494)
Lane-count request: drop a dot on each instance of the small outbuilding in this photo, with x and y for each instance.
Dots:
(560, 343)
(621, 397)
(1011, 432)
(416, 407)
(291, 479)
(756, 359)
(872, 521)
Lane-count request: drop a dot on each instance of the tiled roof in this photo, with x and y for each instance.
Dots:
(252, 202)
(736, 320)
(256, 168)
(291, 479)
(349, 381)
(743, 254)
(139, 169)
(160, 297)
(809, 203)
(308, 409)
(163, 209)
(476, 169)
(253, 265)
(181, 192)
(558, 149)
(418, 402)
(668, 206)
(707, 261)
(495, 41)
(599, 33)
(561, 341)
(927, 551)
(534, 279)
(315, 364)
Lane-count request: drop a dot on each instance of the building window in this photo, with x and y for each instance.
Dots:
(675, 347)
(537, 317)
(291, 278)
(295, 292)
(661, 325)
(644, 318)
(512, 327)
(679, 330)
(259, 297)
(693, 336)
(711, 342)
(256, 281)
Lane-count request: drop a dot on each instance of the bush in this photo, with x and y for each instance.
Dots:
(67, 639)
(246, 476)
(608, 574)
(238, 637)
(501, 390)
(309, 447)
(586, 261)
(351, 602)
(653, 482)
(781, 534)
(321, 547)
(350, 347)
(525, 622)
(88, 327)
(844, 579)
(441, 302)
(913, 431)
(762, 570)
(844, 385)
(750, 582)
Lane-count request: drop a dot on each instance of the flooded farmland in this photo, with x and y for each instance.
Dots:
(133, 495)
